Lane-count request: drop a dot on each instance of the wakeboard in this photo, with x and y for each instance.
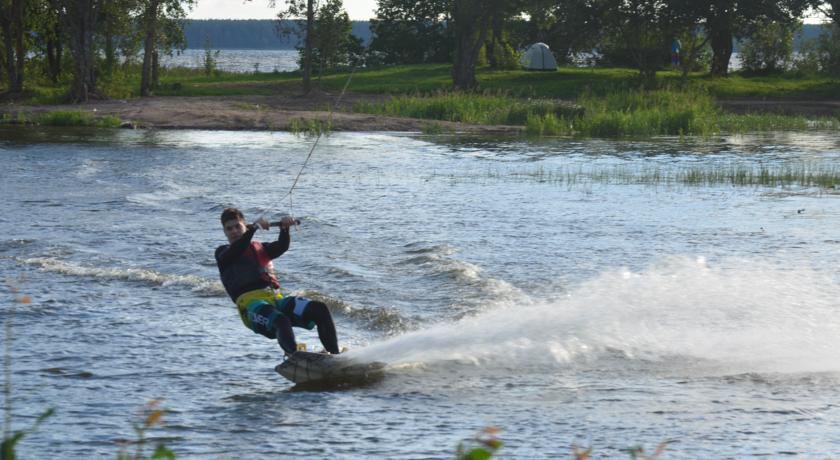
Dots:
(308, 367)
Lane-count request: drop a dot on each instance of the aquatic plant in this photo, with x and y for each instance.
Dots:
(432, 128)
(548, 125)
(150, 416)
(19, 118)
(805, 174)
(486, 443)
(309, 127)
(482, 446)
(638, 452)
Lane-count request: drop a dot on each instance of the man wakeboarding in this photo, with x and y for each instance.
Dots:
(247, 273)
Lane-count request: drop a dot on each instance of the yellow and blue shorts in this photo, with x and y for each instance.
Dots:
(260, 309)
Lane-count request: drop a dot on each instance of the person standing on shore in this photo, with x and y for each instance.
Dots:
(247, 273)
(676, 47)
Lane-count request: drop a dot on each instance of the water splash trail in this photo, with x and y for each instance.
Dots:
(744, 315)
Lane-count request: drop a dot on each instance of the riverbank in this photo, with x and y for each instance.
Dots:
(190, 99)
(289, 110)
(285, 112)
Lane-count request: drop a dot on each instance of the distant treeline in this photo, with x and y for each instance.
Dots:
(250, 34)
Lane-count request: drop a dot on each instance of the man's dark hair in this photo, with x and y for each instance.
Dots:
(230, 214)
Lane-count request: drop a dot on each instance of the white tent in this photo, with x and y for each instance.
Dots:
(538, 57)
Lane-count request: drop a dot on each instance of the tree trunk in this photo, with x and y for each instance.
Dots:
(720, 35)
(54, 47)
(834, 13)
(20, 50)
(53, 60)
(470, 34)
(79, 20)
(307, 58)
(150, 23)
(496, 43)
(8, 48)
(155, 69)
(75, 19)
(11, 21)
(110, 53)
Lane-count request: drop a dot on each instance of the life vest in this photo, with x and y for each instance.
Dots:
(252, 270)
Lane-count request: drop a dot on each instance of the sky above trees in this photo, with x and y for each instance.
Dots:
(361, 10)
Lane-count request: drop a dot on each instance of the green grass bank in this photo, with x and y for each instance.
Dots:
(565, 83)
(621, 113)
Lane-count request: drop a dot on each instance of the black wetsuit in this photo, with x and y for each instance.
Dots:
(245, 265)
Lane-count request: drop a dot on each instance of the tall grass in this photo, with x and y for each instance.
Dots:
(61, 118)
(620, 113)
(647, 113)
(487, 108)
(309, 127)
(76, 118)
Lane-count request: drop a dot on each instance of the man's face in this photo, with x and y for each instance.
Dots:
(234, 228)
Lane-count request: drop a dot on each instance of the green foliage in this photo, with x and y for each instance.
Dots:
(647, 113)
(640, 32)
(76, 118)
(411, 32)
(619, 113)
(769, 48)
(211, 58)
(482, 446)
(487, 108)
(333, 42)
(7, 447)
(149, 417)
(309, 127)
(695, 55)
(565, 83)
(432, 128)
(506, 57)
(119, 84)
(821, 55)
(547, 125)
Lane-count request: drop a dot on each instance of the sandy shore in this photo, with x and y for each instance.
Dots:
(276, 113)
(281, 111)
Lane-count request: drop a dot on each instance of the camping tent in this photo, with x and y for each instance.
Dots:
(538, 57)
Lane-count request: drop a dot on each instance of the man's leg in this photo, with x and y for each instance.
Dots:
(285, 334)
(318, 313)
(269, 321)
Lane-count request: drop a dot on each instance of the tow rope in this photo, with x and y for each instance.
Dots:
(312, 150)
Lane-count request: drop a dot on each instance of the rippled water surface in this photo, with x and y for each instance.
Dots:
(563, 290)
(233, 60)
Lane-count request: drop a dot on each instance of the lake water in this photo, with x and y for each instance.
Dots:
(236, 60)
(597, 310)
